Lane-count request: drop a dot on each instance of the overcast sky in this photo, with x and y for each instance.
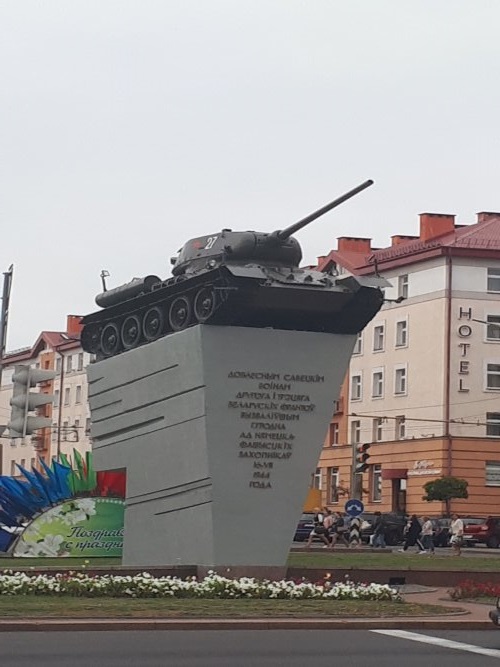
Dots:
(128, 127)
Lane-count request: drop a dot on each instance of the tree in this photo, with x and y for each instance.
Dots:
(445, 489)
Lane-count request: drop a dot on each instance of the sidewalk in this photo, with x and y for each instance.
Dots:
(473, 617)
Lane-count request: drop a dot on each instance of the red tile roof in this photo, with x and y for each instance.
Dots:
(481, 237)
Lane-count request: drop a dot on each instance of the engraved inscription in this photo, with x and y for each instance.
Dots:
(268, 411)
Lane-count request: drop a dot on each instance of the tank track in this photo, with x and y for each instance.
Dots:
(171, 306)
(219, 297)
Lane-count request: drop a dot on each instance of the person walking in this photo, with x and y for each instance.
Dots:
(378, 531)
(413, 530)
(427, 536)
(339, 531)
(457, 534)
(319, 529)
(328, 522)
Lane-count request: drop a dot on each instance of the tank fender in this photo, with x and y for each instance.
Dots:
(249, 271)
(355, 282)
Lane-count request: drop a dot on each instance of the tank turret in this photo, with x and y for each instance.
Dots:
(237, 279)
(277, 248)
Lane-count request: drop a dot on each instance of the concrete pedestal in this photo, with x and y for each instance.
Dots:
(219, 429)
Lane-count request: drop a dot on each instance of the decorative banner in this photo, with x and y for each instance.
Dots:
(87, 527)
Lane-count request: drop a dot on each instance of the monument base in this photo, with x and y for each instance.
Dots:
(220, 430)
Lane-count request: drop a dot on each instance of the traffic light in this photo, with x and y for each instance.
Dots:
(23, 401)
(362, 456)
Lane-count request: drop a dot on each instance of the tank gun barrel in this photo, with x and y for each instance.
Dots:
(288, 231)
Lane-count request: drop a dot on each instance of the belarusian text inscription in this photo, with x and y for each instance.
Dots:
(272, 406)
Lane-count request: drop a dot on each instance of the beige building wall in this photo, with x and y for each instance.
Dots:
(411, 360)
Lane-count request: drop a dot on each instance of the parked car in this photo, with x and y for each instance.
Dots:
(394, 527)
(482, 531)
(304, 527)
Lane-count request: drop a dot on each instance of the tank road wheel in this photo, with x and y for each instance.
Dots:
(91, 338)
(152, 325)
(110, 340)
(130, 332)
(204, 304)
(179, 313)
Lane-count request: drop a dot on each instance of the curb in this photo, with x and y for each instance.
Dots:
(86, 625)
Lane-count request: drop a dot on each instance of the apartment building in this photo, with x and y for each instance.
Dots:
(60, 351)
(423, 385)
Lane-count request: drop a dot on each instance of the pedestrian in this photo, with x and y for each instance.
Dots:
(457, 534)
(378, 531)
(339, 531)
(412, 531)
(427, 536)
(328, 523)
(319, 529)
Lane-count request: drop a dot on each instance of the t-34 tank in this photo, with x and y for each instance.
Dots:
(249, 279)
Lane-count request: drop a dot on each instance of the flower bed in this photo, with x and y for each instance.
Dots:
(79, 584)
(472, 589)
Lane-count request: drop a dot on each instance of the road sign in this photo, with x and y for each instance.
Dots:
(354, 507)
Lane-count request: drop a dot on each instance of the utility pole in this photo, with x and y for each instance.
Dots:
(4, 314)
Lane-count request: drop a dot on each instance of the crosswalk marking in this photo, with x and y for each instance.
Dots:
(438, 641)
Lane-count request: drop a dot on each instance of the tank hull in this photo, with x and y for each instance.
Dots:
(251, 296)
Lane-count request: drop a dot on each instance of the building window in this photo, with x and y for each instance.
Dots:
(378, 338)
(402, 333)
(316, 479)
(66, 395)
(32, 464)
(54, 432)
(492, 473)
(400, 427)
(87, 426)
(493, 424)
(493, 327)
(400, 381)
(58, 364)
(378, 384)
(355, 432)
(493, 376)
(80, 361)
(338, 406)
(56, 399)
(333, 484)
(358, 345)
(356, 388)
(69, 363)
(376, 483)
(494, 280)
(13, 469)
(403, 286)
(334, 433)
(78, 397)
(65, 427)
(377, 429)
(23, 463)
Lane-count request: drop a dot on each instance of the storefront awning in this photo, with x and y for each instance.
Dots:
(395, 473)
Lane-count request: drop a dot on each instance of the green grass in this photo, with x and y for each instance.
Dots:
(49, 607)
(342, 560)
(392, 561)
(60, 563)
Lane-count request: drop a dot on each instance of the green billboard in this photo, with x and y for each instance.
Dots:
(91, 526)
